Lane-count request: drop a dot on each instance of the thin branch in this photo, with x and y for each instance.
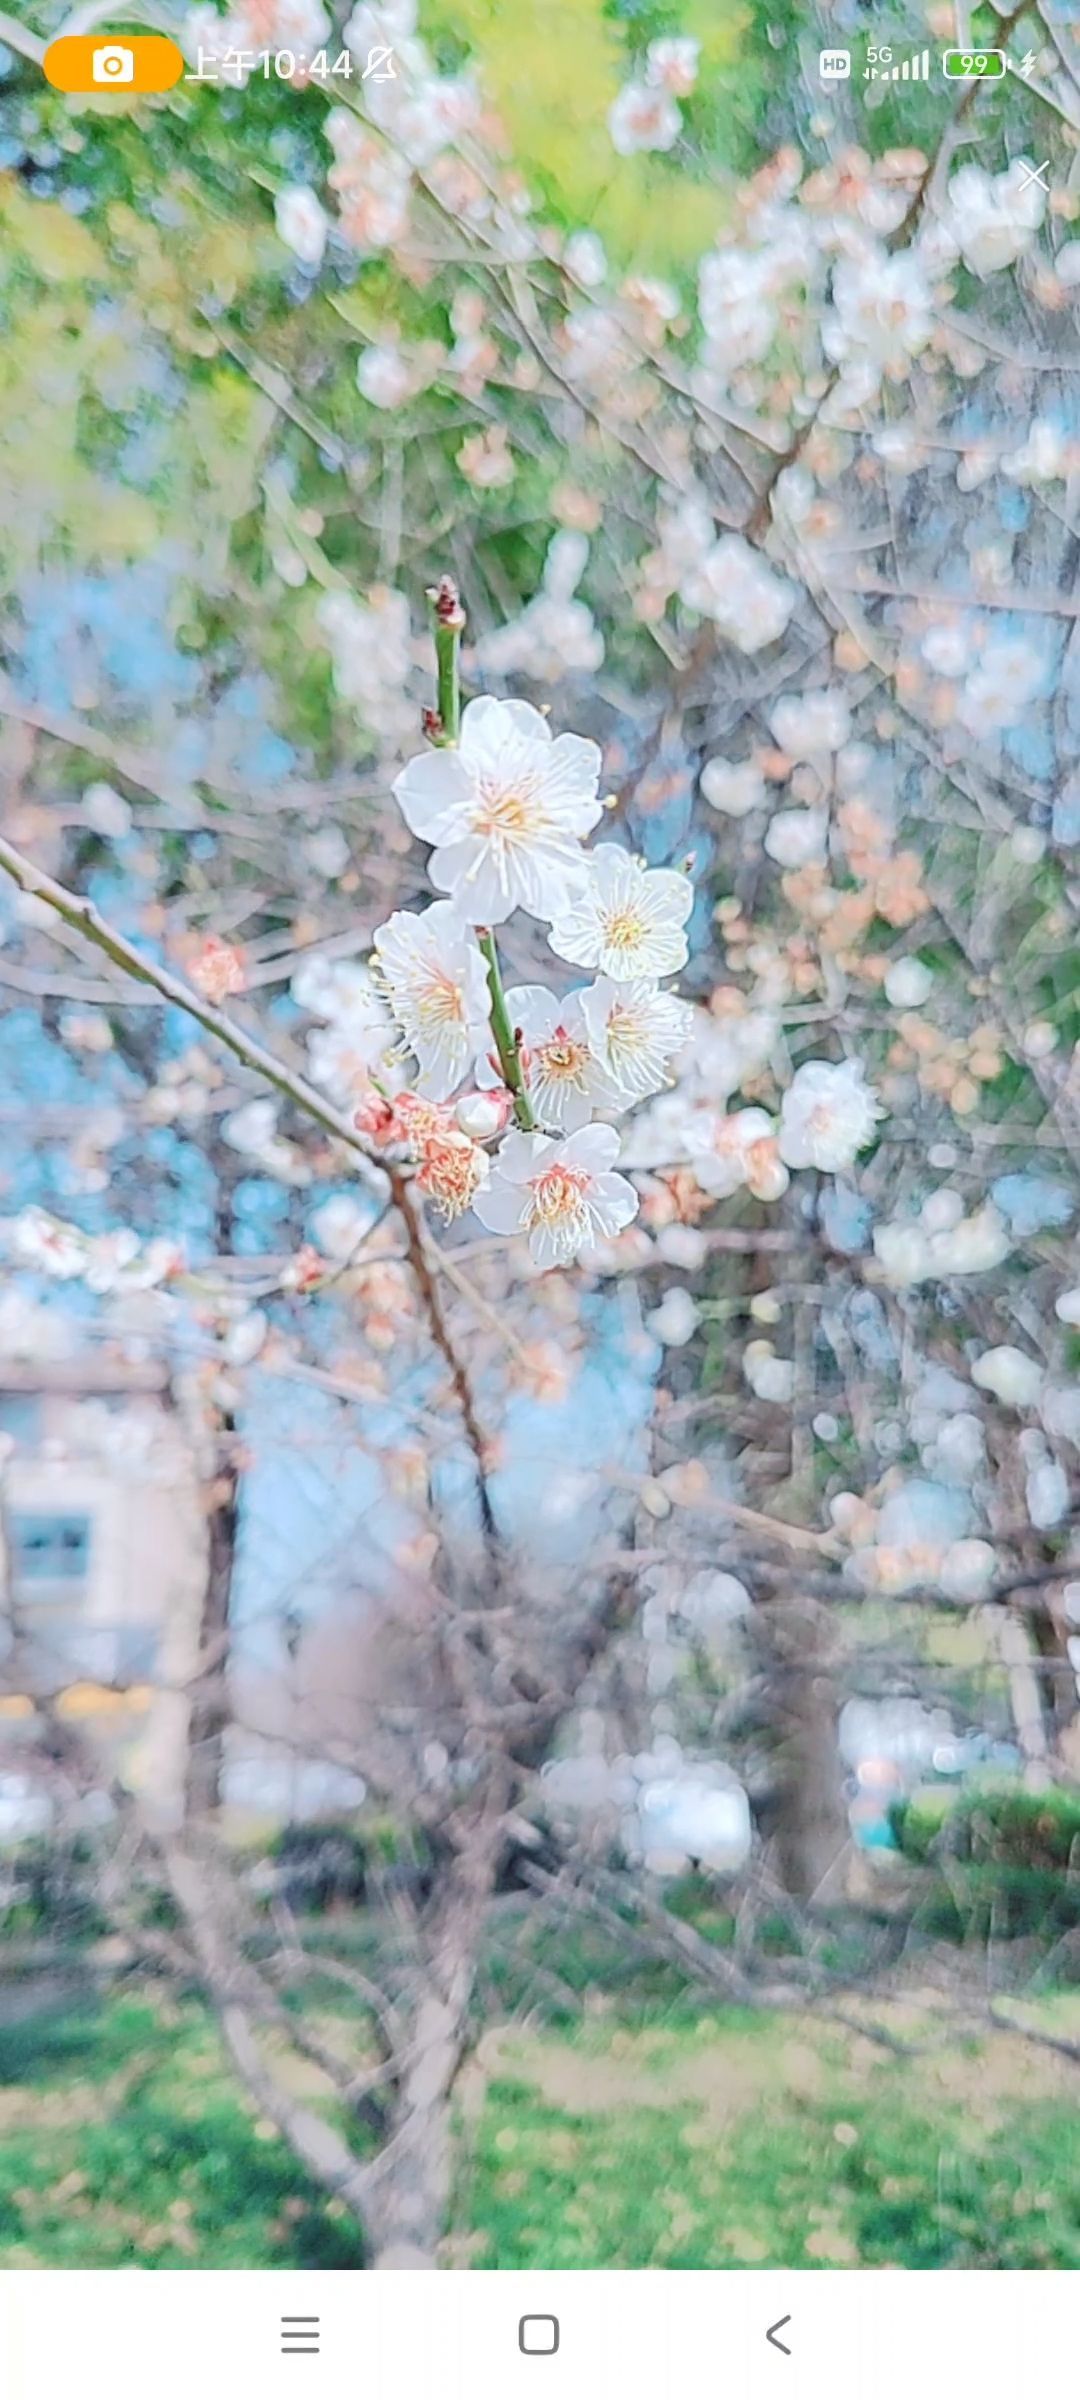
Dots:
(84, 918)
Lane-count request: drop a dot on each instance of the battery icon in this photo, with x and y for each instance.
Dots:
(964, 66)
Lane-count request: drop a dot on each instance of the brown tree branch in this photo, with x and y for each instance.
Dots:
(84, 918)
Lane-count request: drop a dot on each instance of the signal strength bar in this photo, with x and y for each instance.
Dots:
(912, 70)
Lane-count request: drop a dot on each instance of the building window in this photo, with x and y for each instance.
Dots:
(50, 1554)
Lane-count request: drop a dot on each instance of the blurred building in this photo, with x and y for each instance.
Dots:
(102, 1565)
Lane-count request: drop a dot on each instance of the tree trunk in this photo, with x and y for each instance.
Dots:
(1019, 1657)
(411, 2182)
(209, 1699)
(808, 1818)
(401, 2198)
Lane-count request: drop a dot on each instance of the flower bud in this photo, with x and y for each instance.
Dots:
(483, 1114)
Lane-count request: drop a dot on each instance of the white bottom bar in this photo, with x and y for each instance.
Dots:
(455, 2336)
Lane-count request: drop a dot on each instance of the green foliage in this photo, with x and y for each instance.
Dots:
(553, 74)
(992, 1824)
(123, 2143)
(1005, 1860)
(50, 1887)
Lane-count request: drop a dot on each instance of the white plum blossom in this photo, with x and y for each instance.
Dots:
(975, 466)
(992, 219)
(371, 183)
(345, 1056)
(671, 64)
(720, 1055)
(737, 310)
(302, 223)
(417, 109)
(728, 1152)
(676, 1320)
(370, 644)
(811, 725)
(626, 920)
(245, 1338)
(566, 1081)
(359, 1037)
(328, 852)
(769, 1377)
(339, 1226)
(37, 1239)
(106, 811)
(106, 1262)
(1046, 1485)
(797, 837)
(1045, 456)
(1067, 265)
(563, 1195)
(1059, 1409)
(948, 647)
(643, 117)
(1014, 1378)
(908, 983)
(968, 1570)
(585, 258)
(435, 979)
(635, 1031)
(556, 634)
(827, 1115)
(882, 315)
(750, 603)
(507, 808)
(383, 377)
(253, 1131)
(919, 1251)
(506, 811)
(336, 987)
(1011, 673)
(732, 791)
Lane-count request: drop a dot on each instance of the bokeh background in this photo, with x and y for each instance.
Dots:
(689, 1876)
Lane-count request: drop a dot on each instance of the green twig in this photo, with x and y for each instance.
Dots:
(505, 1039)
(448, 618)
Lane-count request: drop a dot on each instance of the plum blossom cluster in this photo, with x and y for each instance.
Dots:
(828, 1114)
(401, 124)
(105, 1262)
(506, 1100)
(815, 261)
(646, 115)
(515, 1090)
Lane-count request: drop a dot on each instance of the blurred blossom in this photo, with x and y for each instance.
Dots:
(733, 791)
(302, 223)
(671, 65)
(749, 603)
(644, 117)
(993, 218)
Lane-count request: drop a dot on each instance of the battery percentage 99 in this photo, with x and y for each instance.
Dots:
(965, 65)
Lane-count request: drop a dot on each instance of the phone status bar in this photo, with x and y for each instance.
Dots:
(882, 64)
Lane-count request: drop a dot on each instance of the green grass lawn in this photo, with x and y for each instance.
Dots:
(654, 2137)
(743, 2141)
(123, 2142)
